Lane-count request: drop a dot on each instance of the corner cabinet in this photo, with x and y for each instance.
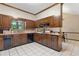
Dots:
(30, 24)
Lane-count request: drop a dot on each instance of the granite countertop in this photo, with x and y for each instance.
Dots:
(25, 32)
(12, 33)
(49, 33)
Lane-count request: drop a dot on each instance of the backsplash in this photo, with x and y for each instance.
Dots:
(54, 29)
(48, 29)
(39, 29)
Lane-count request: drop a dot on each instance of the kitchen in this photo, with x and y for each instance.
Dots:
(19, 31)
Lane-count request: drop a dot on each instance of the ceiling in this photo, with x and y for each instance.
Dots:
(33, 8)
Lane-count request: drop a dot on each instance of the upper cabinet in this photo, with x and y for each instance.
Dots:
(30, 24)
(43, 22)
(51, 21)
(5, 21)
(0, 21)
(57, 21)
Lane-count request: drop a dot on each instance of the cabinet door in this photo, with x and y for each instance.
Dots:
(52, 21)
(22, 38)
(44, 39)
(37, 38)
(6, 22)
(0, 21)
(54, 42)
(47, 20)
(1, 43)
(19, 39)
(15, 40)
(57, 21)
(30, 24)
(49, 41)
(37, 23)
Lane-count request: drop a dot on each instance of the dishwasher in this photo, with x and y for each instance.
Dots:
(7, 41)
(30, 37)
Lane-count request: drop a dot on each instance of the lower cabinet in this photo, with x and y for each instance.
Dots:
(51, 41)
(56, 42)
(44, 39)
(19, 39)
(37, 38)
(1, 43)
(23, 39)
(15, 40)
(8, 41)
(48, 40)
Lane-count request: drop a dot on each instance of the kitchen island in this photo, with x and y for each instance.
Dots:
(11, 39)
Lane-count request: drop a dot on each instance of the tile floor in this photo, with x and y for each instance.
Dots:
(70, 48)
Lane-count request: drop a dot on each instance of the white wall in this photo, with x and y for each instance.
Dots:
(71, 24)
(15, 13)
(71, 20)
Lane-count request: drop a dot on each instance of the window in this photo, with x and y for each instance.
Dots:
(17, 25)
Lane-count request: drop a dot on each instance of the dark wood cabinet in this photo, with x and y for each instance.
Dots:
(43, 21)
(30, 24)
(37, 38)
(44, 39)
(57, 21)
(52, 21)
(1, 43)
(19, 39)
(48, 40)
(5, 21)
(0, 21)
(51, 41)
(22, 38)
(56, 42)
(15, 40)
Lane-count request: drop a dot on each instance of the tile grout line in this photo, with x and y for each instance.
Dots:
(17, 52)
(24, 51)
(9, 52)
